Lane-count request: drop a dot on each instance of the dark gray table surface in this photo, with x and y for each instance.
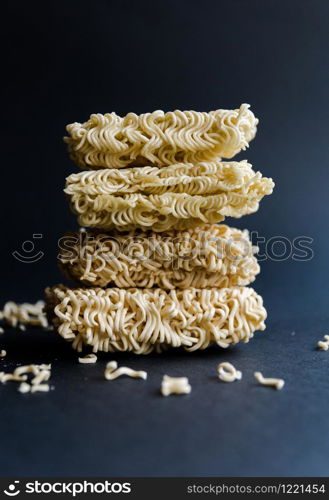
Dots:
(88, 426)
(65, 60)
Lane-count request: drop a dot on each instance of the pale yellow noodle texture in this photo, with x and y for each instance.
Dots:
(175, 385)
(228, 373)
(324, 344)
(212, 256)
(143, 320)
(278, 383)
(178, 197)
(40, 373)
(24, 314)
(158, 138)
(112, 371)
(88, 359)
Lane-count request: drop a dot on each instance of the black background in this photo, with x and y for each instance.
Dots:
(62, 61)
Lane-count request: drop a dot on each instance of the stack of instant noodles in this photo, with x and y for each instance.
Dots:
(156, 270)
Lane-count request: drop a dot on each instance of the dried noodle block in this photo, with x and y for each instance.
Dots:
(158, 138)
(212, 256)
(143, 320)
(180, 197)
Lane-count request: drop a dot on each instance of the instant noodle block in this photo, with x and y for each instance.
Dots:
(209, 256)
(177, 197)
(143, 320)
(158, 138)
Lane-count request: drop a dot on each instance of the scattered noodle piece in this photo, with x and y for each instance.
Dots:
(175, 385)
(34, 369)
(278, 383)
(88, 359)
(24, 388)
(40, 388)
(111, 366)
(228, 373)
(3, 353)
(40, 373)
(324, 344)
(19, 315)
(11, 377)
(22, 327)
(43, 376)
(1, 330)
(160, 138)
(112, 371)
(22, 370)
(44, 366)
(143, 320)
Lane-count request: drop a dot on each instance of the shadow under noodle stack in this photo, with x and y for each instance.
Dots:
(155, 270)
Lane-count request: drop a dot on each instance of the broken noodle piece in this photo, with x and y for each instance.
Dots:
(278, 383)
(24, 314)
(324, 344)
(41, 373)
(88, 359)
(112, 371)
(175, 385)
(228, 373)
